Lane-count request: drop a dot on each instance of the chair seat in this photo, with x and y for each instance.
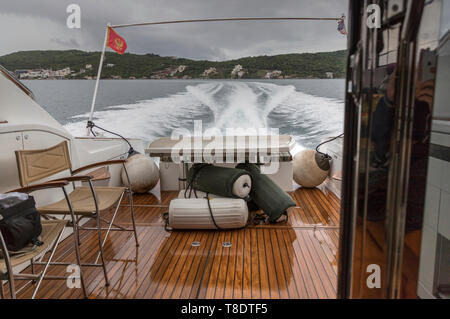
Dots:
(50, 232)
(83, 202)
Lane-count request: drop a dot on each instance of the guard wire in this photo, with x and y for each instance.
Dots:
(91, 125)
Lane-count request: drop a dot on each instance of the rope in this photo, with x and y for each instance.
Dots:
(190, 187)
(91, 125)
(190, 184)
(211, 213)
(323, 143)
(165, 217)
(259, 219)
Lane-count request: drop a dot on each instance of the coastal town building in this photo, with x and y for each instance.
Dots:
(61, 73)
(43, 73)
(209, 72)
(238, 71)
(168, 73)
(273, 75)
(179, 69)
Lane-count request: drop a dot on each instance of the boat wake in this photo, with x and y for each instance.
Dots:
(227, 104)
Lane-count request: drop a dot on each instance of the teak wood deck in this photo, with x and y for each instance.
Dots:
(297, 259)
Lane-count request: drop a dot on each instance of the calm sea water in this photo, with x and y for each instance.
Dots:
(310, 110)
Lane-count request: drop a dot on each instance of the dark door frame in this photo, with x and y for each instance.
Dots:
(399, 178)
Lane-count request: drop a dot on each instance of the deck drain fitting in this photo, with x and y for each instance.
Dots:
(226, 244)
(195, 244)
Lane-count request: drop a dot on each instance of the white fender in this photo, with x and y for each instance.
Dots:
(310, 168)
(143, 173)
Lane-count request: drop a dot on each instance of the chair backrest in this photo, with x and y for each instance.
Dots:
(34, 165)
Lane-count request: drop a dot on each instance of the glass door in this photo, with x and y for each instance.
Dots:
(390, 89)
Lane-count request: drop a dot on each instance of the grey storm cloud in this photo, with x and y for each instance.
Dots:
(41, 25)
(70, 43)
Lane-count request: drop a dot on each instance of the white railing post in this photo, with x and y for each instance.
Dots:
(99, 73)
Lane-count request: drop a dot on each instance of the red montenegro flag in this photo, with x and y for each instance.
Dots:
(116, 42)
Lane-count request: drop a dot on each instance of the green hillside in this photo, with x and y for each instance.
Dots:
(306, 65)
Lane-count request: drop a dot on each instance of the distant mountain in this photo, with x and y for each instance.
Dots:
(85, 64)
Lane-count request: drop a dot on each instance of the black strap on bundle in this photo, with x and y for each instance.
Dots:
(165, 217)
(190, 184)
(259, 219)
(211, 213)
(190, 188)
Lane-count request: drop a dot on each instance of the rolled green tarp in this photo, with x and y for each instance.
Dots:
(222, 181)
(266, 194)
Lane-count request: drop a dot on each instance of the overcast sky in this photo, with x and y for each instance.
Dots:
(41, 25)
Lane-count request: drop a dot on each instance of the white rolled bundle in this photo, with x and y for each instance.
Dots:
(194, 213)
(242, 186)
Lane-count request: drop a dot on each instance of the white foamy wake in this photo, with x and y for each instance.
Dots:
(224, 105)
(309, 118)
(241, 104)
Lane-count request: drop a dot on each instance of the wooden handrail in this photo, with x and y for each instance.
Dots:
(78, 178)
(113, 162)
(47, 185)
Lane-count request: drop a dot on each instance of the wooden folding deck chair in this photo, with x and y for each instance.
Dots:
(52, 231)
(87, 201)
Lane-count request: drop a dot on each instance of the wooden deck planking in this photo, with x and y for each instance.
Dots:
(262, 266)
(125, 274)
(292, 260)
(314, 208)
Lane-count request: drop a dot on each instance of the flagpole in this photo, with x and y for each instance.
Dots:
(99, 73)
